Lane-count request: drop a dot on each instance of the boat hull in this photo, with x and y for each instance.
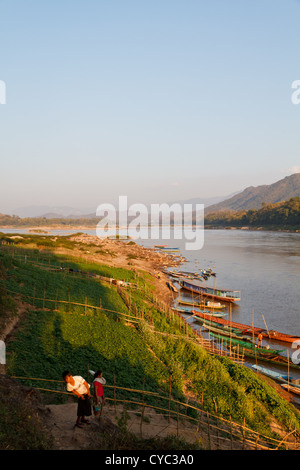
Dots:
(290, 388)
(276, 376)
(252, 330)
(245, 345)
(216, 294)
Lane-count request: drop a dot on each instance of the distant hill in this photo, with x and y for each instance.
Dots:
(254, 197)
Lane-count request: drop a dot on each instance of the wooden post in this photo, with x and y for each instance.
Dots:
(115, 394)
(170, 386)
(143, 410)
(208, 430)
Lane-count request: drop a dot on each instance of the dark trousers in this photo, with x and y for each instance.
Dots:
(84, 406)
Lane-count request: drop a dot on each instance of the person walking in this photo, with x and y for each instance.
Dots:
(77, 385)
(99, 398)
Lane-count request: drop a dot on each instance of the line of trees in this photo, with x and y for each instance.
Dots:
(16, 221)
(282, 214)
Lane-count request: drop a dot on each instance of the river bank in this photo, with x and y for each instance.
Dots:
(118, 253)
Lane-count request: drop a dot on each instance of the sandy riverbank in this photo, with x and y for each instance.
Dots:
(113, 252)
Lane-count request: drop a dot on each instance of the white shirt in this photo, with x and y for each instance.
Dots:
(78, 385)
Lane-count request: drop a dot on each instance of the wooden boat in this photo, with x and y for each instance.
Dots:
(217, 325)
(218, 294)
(275, 359)
(291, 388)
(188, 274)
(207, 314)
(225, 331)
(252, 330)
(169, 249)
(192, 312)
(172, 287)
(246, 345)
(206, 303)
(277, 376)
(176, 274)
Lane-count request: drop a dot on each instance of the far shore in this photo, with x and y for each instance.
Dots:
(49, 228)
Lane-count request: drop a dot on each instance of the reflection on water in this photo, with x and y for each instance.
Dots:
(264, 266)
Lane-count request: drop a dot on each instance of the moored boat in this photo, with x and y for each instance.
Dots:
(276, 359)
(231, 333)
(291, 388)
(185, 309)
(206, 303)
(252, 330)
(172, 287)
(277, 376)
(207, 314)
(246, 345)
(224, 295)
(166, 248)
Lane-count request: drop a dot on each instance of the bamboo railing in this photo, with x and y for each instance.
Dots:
(209, 429)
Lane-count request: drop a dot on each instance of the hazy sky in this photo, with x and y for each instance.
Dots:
(158, 100)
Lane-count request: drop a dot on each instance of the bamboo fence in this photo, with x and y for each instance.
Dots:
(213, 427)
(213, 431)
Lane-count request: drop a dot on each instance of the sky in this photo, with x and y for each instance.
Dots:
(157, 100)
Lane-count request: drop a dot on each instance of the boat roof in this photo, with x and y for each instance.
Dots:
(199, 284)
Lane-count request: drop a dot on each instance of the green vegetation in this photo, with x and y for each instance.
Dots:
(145, 354)
(16, 221)
(20, 426)
(284, 215)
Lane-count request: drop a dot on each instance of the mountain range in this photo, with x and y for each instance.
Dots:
(250, 198)
(254, 197)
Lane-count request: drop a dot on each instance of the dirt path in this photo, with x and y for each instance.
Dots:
(61, 420)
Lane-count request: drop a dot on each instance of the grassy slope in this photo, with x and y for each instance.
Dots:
(48, 342)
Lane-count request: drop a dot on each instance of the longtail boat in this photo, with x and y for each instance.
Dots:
(290, 388)
(224, 295)
(232, 333)
(246, 345)
(252, 330)
(207, 313)
(276, 359)
(286, 379)
(169, 249)
(220, 327)
(207, 303)
(188, 310)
